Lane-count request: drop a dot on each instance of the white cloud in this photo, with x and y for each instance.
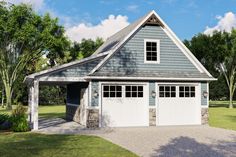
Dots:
(104, 29)
(225, 23)
(132, 8)
(36, 4)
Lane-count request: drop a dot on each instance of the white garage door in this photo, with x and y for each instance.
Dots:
(124, 105)
(179, 105)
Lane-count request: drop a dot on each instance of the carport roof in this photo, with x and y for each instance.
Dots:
(31, 77)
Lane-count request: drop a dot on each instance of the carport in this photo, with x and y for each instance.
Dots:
(70, 74)
(33, 97)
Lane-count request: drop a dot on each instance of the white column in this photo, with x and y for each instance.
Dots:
(30, 95)
(33, 104)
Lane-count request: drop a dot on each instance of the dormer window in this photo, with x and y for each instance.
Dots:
(151, 51)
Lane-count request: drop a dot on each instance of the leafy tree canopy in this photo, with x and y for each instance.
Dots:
(85, 48)
(217, 52)
(24, 37)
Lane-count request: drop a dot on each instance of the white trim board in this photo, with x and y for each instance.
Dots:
(208, 95)
(150, 78)
(61, 79)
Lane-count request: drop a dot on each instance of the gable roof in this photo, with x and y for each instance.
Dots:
(116, 41)
(125, 34)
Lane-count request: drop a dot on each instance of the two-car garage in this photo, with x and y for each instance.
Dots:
(125, 105)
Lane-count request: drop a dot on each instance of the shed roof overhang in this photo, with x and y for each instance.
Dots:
(44, 76)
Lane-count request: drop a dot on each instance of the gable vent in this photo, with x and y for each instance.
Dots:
(153, 20)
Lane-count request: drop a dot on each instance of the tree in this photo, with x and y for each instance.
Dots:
(228, 66)
(24, 37)
(217, 52)
(85, 48)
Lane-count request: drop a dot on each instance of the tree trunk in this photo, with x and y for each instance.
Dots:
(230, 100)
(3, 96)
(8, 92)
(231, 94)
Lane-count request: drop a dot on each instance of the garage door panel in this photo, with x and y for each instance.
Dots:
(126, 111)
(179, 110)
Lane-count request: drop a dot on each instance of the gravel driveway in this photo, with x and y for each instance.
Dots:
(178, 141)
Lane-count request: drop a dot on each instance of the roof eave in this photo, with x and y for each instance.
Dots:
(150, 78)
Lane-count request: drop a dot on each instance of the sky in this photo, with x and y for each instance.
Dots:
(102, 18)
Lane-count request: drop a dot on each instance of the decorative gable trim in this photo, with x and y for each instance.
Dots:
(153, 20)
(149, 19)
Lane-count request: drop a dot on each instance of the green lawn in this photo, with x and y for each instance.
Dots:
(221, 116)
(52, 111)
(46, 111)
(39, 145)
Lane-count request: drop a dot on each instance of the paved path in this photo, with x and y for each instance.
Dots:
(178, 141)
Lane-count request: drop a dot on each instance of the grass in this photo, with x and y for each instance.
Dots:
(39, 145)
(221, 116)
(46, 111)
(52, 111)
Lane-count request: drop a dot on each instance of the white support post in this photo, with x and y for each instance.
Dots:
(30, 90)
(33, 104)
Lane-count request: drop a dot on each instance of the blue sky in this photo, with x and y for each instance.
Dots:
(185, 17)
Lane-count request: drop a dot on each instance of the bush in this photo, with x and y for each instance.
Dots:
(4, 117)
(5, 123)
(19, 119)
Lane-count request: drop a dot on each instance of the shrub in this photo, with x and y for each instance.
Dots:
(4, 117)
(19, 119)
(5, 123)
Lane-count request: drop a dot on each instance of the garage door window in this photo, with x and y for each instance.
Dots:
(133, 91)
(112, 91)
(167, 91)
(186, 91)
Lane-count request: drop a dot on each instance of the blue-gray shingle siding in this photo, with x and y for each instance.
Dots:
(130, 58)
(152, 88)
(203, 88)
